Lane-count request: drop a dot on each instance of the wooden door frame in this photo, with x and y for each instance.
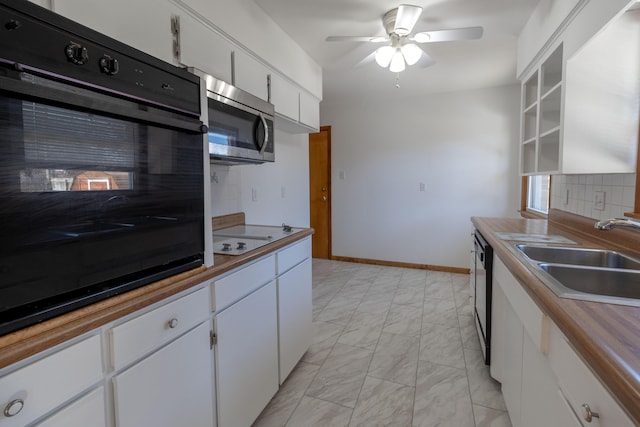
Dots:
(329, 224)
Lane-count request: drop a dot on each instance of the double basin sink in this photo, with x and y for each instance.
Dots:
(588, 274)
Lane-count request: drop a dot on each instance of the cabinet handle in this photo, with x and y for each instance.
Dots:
(588, 414)
(173, 323)
(13, 408)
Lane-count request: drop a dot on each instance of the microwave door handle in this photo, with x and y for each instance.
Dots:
(266, 134)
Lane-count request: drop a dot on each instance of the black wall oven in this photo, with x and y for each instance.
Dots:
(101, 167)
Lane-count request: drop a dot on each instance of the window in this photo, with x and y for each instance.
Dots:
(535, 195)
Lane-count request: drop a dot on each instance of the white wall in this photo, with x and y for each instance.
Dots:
(288, 176)
(463, 146)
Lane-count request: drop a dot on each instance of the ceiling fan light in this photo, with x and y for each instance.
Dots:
(422, 37)
(411, 53)
(384, 55)
(397, 62)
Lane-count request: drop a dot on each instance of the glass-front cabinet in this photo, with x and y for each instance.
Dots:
(541, 117)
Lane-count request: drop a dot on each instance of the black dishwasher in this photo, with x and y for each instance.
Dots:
(482, 270)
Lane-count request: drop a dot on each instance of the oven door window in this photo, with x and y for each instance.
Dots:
(66, 150)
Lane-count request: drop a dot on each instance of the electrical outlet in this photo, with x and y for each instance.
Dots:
(599, 200)
(283, 192)
(566, 198)
(423, 187)
(254, 195)
(341, 174)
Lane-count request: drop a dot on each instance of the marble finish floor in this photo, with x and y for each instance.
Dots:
(391, 347)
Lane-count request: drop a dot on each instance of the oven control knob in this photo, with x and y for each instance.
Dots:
(76, 54)
(109, 65)
(12, 25)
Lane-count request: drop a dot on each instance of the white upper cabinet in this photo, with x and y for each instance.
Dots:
(285, 97)
(204, 49)
(602, 97)
(580, 105)
(541, 117)
(296, 110)
(141, 24)
(250, 75)
(309, 111)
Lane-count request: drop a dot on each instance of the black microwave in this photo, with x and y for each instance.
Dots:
(240, 125)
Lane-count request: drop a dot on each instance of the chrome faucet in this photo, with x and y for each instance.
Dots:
(611, 223)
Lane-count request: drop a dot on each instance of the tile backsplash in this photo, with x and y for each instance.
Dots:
(594, 196)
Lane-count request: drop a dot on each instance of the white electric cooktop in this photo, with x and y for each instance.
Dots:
(239, 239)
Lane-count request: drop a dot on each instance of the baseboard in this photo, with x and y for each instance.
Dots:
(457, 270)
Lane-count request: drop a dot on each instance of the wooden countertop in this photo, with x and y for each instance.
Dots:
(607, 336)
(29, 341)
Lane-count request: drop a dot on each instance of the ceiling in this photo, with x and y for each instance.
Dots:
(461, 65)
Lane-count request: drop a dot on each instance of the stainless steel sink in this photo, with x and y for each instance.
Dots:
(599, 275)
(599, 282)
(579, 256)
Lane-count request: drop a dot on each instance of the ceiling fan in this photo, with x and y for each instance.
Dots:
(400, 48)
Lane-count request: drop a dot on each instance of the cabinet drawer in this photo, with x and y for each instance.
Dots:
(533, 319)
(145, 333)
(87, 411)
(47, 383)
(293, 255)
(241, 283)
(580, 386)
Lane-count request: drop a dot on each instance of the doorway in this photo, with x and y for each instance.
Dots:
(320, 191)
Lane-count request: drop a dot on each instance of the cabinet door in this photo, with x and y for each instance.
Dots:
(146, 24)
(512, 368)
(542, 405)
(87, 411)
(172, 387)
(285, 97)
(309, 111)
(250, 75)
(247, 357)
(204, 49)
(498, 331)
(294, 316)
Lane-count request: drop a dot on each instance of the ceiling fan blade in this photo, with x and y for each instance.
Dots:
(406, 18)
(366, 60)
(425, 60)
(470, 33)
(371, 39)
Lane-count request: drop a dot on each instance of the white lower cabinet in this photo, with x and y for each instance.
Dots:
(171, 387)
(89, 410)
(542, 402)
(29, 393)
(247, 356)
(294, 316)
(544, 382)
(512, 368)
(580, 386)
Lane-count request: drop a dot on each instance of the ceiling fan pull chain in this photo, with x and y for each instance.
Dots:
(398, 80)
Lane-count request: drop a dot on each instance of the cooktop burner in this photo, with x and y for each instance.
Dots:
(239, 239)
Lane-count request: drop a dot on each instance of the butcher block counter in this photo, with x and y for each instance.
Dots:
(29, 341)
(606, 336)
